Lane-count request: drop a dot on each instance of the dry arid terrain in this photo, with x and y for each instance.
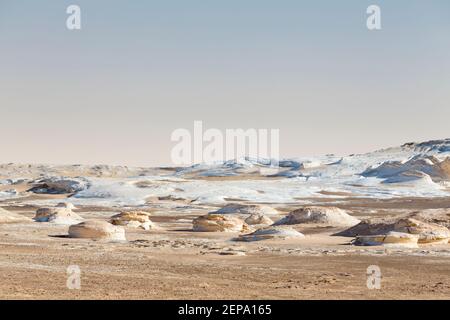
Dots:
(177, 263)
(229, 232)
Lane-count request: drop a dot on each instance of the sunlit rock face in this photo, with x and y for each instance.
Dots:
(219, 223)
(391, 239)
(97, 230)
(134, 219)
(428, 233)
(430, 227)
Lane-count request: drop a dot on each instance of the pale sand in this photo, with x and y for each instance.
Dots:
(176, 263)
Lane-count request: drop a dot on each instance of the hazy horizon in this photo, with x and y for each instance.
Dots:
(113, 92)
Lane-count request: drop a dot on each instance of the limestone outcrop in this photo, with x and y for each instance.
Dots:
(428, 233)
(60, 185)
(391, 239)
(134, 219)
(97, 230)
(57, 215)
(328, 216)
(271, 232)
(219, 223)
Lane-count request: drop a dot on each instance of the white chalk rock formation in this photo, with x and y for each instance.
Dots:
(10, 217)
(430, 226)
(234, 208)
(57, 215)
(134, 219)
(219, 223)
(272, 232)
(391, 239)
(419, 166)
(97, 230)
(329, 216)
(428, 233)
(256, 219)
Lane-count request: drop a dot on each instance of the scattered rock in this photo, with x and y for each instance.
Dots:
(272, 232)
(134, 219)
(219, 223)
(97, 229)
(257, 218)
(60, 185)
(391, 239)
(57, 215)
(329, 216)
(10, 217)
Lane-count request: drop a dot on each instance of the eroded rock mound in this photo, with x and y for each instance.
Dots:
(234, 208)
(391, 239)
(10, 217)
(329, 216)
(418, 167)
(427, 232)
(98, 230)
(368, 227)
(134, 219)
(58, 215)
(60, 185)
(437, 216)
(257, 218)
(272, 232)
(432, 230)
(219, 223)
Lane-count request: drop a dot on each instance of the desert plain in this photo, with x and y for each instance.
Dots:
(231, 231)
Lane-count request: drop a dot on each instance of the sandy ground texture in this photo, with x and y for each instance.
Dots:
(176, 263)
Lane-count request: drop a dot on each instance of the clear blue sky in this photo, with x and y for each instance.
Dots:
(114, 91)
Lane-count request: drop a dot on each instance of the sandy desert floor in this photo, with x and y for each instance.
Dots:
(176, 263)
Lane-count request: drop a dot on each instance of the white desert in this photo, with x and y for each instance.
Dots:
(308, 230)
